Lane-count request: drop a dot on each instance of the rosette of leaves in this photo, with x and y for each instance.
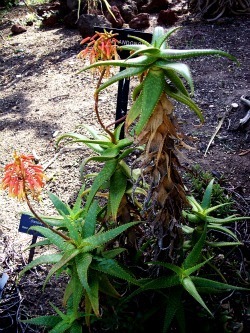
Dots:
(150, 120)
(200, 215)
(183, 279)
(84, 257)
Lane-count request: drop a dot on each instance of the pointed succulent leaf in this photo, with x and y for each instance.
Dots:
(206, 200)
(110, 254)
(211, 209)
(159, 41)
(111, 267)
(104, 175)
(134, 111)
(47, 321)
(149, 51)
(222, 244)
(126, 73)
(191, 270)
(176, 81)
(229, 219)
(140, 40)
(170, 54)
(222, 229)
(53, 237)
(134, 47)
(174, 302)
(194, 255)
(93, 294)
(76, 327)
(210, 286)
(44, 259)
(189, 286)
(107, 288)
(135, 62)
(93, 242)
(83, 261)
(59, 205)
(61, 327)
(89, 225)
(172, 267)
(153, 87)
(161, 283)
(196, 207)
(180, 97)
(118, 184)
(66, 258)
(78, 203)
(180, 68)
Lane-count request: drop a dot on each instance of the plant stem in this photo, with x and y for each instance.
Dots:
(96, 109)
(43, 222)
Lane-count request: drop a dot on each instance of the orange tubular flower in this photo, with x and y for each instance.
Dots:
(22, 177)
(102, 46)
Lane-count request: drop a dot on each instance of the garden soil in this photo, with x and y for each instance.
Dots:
(43, 95)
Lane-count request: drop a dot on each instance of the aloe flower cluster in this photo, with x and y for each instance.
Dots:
(23, 176)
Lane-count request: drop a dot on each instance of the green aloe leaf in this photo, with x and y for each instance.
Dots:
(104, 175)
(159, 37)
(134, 111)
(78, 290)
(53, 238)
(61, 327)
(191, 289)
(161, 283)
(83, 261)
(89, 225)
(110, 254)
(169, 54)
(93, 242)
(59, 205)
(66, 258)
(153, 87)
(176, 81)
(174, 302)
(78, 203)
(222, 229)
(179, 68)
(222, 244)
(226, 220)
(195, 253)
(44, 259)
(140, 40)
(47, 321)
(180, 97)
(135, 62)
(107, 288)
(191, 270)
(206, 200)
(76, 327)
(118, 184)
(111, 267)
(126, 73)
(172, 267)
(93, 293)
(210, 286)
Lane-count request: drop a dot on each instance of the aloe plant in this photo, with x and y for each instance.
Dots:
(200, 215)
(83, 256)
(150, 121)
(182, 280)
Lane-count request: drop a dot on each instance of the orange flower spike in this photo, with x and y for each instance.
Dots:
(85, 40)
(23, 176)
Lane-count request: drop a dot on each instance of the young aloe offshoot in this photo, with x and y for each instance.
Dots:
(182, 279)
(200, 216)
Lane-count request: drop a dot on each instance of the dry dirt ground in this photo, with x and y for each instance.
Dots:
(42, 96)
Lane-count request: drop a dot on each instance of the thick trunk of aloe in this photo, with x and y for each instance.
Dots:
(166, 197)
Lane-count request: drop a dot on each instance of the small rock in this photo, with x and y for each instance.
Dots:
(140, 21)
(155, 6)
(87, 22)
(234, 105)
(167, 17)
(118, 21)
(17, 29)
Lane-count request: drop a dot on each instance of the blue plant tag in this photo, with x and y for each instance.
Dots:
(28, 221)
